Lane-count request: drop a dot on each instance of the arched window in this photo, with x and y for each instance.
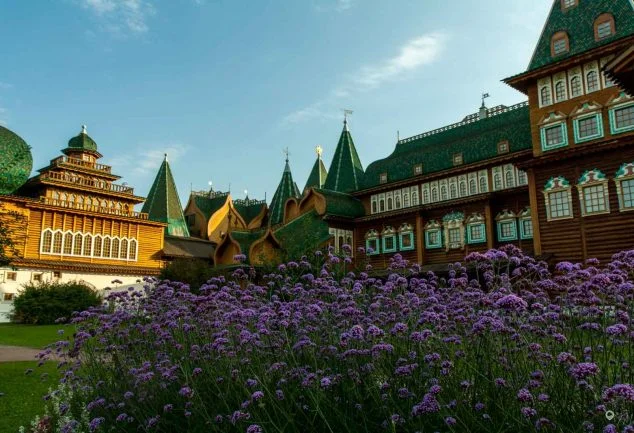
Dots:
(473, 187)
(47, 241)
(414, 198)
(381, 204)
(87, 245)
(57, 243)
(397, 201)
(55, 195)
(389, 203)
(63, 197)
(80, 201)
(545, 95)
(77, 246)
(106, 247)
(592, 81)
(115, 248)
(603, 26)
(426, 195)
(510, 179)
(560, 91)
(575, 86)
(434, 195)
(483, 184)
(374, 209)
(104, 204)
(497, 181)
(96, 252)
(463, 189)
(71, 199)
(68, 243)
(406, 202)
(443, 192)
(453, 191)
(132, 253)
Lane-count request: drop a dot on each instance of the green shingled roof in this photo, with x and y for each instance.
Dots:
(81, 142)
(341, 204)
(317, 176)
(246, 238)
(208, 205)
(249, 209)
(346, 171)
(285, 190)
(578, 22)
(303, 235)
(477, 141)
(163, 204)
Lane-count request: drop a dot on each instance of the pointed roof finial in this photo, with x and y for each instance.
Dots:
(286, 153)
(83, 129)
(319, 151)
(346, 113)
(165, 157)
(484, 96)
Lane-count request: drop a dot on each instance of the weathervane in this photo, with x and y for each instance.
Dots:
(484, 96)
(319, 151)
(286, 152)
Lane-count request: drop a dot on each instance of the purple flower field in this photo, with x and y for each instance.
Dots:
(507, 346)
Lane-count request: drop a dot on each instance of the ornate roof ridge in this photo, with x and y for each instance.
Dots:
(471, 118)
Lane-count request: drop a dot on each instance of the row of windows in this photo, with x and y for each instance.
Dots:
(573, 83)
(587, 127)
(83, 201)
(80, 244)
(508, 176)
(455, 187)
(455, 232)
(390, 240)
(340, 238)
(398, 199)
(593, 192)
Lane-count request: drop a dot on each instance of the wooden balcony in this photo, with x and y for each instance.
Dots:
(65, 160)
(102, 185)
(92, 208)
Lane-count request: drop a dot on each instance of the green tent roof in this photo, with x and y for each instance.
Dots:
(163, 204)
(341, 204)
(286, 189)
(578, 23)
(476, 139)
(317, 176)
(249, 208)
(16, 161)
(209, 204)
(346, 171)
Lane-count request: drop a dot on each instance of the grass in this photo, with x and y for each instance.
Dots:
(35, 336)
(22, 394)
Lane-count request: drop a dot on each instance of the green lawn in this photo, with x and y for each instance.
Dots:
(22, 394)
(35, 336)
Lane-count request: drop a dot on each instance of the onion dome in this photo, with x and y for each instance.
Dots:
(16, 161)
(82, 143)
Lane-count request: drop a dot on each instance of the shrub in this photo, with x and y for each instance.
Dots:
(194, 272)
(517, 349)
(44, 303)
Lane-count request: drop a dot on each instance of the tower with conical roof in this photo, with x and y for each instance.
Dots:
(346, 171)
(163, 204)
(318, 174)
(286, 189)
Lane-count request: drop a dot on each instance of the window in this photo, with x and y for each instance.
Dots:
(57, 243)
(389, 239)
(463, 189)
(443, 192)
(414, 193)
(8, 297)
(123, 254)
(433, 235)
(544, 96)
(11, 276)
(603, 26)
(624, 179)
(374, 206)
(483, 184)
(575, 86)
(473, 187)
(588, 128)
(37, 277)
(406, 237)
(622, 119)
(454, 235)
(68, 243)
(506, 226)
(434, 195)
(560, 91)
(558, 199)
(426, 196)
(554, 136)
(133, 247)
(77, 245)
(454, 230)
(522, 178)
(47, 241)
(567, 4)
(593, 193)
(453, 191)
(106, 247)
(526, 224)
(389, 203)
(509, 178)
(383, 178)
(371, 243)
(457, 159)
(57, 274)
(406, 199)
(503, 147)
(497, 181)
(97, 250)
(592, 81)
(418, 169)
(560, 46)
(115, 248)
(397, 201)
(476, 230)
(382, 203)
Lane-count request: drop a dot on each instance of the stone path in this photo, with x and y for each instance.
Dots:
(17, 353)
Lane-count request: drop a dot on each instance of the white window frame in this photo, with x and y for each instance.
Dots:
(593, 179)
(554, 186)
(451, 222)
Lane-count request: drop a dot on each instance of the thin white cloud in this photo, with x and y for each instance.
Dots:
(333, 5)
(343, 5)
(5, 86)
(413, 55)
(143, 162)
(121, 17)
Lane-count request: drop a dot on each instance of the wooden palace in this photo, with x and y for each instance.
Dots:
(553, 175)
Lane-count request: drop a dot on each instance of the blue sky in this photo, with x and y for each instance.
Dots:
(223, 86)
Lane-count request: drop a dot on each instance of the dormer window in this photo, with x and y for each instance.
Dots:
(503, 147)
(418, 169)
(457, 159)
(567, 4)
(559, 44)
(603, 27)
(383, 178)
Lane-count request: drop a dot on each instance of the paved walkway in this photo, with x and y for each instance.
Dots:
(17, 353)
